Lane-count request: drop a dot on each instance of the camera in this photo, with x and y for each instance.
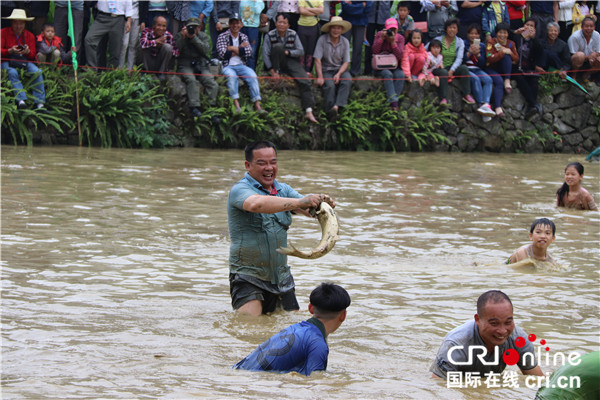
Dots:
(191, 29)
(390, 33)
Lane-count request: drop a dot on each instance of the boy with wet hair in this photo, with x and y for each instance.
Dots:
(542, 234)
(303, 347)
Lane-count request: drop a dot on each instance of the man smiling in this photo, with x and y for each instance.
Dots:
(493, 328)
(259, 214)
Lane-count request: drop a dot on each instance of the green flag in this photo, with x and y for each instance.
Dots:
(72, 36)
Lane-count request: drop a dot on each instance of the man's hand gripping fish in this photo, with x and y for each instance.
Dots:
(329, 228)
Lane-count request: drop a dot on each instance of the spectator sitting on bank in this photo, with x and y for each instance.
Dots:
(332, 59)
(17, 49)
(50, 47)
(158, 47)
(525, 70)
(584, 46)
(414, 57)
(555, 54)
(481, 83)
(494, 12)
(194, 53)
(281, 54)
(434, 61)
(453, 49)
(389, 41)
(234, 50)
(406, 23)
(500, 54)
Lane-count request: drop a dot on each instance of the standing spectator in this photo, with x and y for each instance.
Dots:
(555, 54)
(194, 52)
(500, 55)
(406, 23)
(380, 11)
(516, 13)
(584, 45)
(61, 23)
(481, 83)
(281, 53)
(269, 15)
(389, 41)
(580, 11)
(17, 50)
(234, 50)
(180, 13)
(453, 51)
(250, 11)
(113, 18)
(150, 9)
(39, 11)
(201, 9)
(357, 13)
(565, 18)
(50, 47)
(332, 59)
(219, 20)
(308, 30)
(6, 8)
(290, 9)
(438, 13)
(131, 39)
(494, 12)
(158, 47)
(542, 12)
(525, 71)
(469, 12)
(325, 16)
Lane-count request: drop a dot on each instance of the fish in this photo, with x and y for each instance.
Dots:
(330, 229)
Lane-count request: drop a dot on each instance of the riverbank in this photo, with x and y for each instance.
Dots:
(125, 109)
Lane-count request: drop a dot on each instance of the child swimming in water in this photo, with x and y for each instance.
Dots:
(541, 233)
(571, 194)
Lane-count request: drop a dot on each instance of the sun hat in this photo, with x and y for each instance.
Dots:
(19, 14)
(391, 23)
(337, 21)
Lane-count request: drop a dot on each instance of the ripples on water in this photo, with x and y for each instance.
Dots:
(114, 270)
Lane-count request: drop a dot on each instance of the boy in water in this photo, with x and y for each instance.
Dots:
(303, 347)
(542, 234)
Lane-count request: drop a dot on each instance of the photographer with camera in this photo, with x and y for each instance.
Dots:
(158, 47)
(194, 56)
(389, 41)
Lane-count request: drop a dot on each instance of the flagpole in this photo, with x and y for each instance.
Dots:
(74, 55)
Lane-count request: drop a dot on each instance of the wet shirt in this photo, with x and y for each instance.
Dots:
(255, 237)
(468, 335)
(301, 348)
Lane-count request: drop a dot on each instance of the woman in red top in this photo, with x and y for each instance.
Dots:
(18, 51)
(516, 12)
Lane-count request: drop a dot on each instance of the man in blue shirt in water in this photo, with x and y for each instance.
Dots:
(303, 347)
(259, 209)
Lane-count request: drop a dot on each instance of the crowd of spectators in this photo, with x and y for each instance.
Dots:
(482, 45)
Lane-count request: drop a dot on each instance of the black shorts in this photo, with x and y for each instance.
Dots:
(243, 291)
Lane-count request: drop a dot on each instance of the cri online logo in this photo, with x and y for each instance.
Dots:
(511, 356)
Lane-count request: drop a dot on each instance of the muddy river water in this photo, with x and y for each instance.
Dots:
(115, 276)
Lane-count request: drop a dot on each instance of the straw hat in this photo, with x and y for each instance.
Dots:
(19, 14)
(337, 21)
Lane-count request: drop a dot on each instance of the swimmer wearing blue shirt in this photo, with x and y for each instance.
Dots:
(303, 347)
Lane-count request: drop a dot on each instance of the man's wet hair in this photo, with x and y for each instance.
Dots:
(328, 300)
(261, 144)
(543, 221)
(491, 296)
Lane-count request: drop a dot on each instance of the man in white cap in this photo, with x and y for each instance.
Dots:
(332, 59)
(18, 52)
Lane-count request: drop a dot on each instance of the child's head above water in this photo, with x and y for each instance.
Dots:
(543, 222)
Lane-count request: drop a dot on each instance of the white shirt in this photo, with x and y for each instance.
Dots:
(118, 7)
(578, 43)
(235, 60)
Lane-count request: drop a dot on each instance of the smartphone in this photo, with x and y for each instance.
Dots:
(497, 46)
(20, 47)
(477, 42)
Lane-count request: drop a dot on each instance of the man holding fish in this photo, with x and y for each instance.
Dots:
(259, 210)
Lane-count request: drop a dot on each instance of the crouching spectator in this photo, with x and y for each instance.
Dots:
(332, 59)
(17, 52)
(234, 51)
(158, 47)
(50, 47)
(584, 45)
(194, 53)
